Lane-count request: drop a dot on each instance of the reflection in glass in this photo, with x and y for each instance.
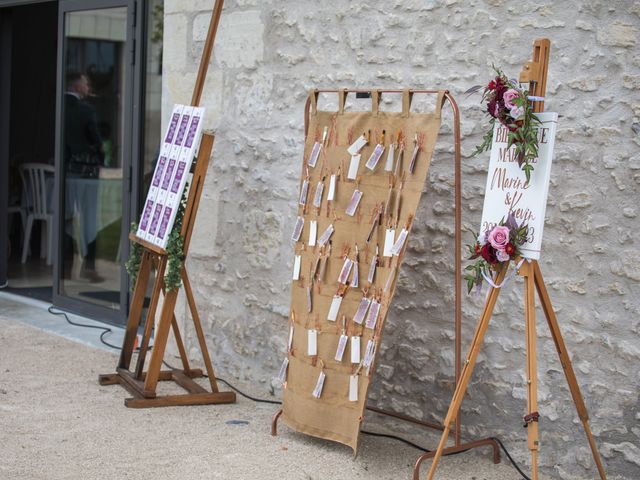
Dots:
(92, 132)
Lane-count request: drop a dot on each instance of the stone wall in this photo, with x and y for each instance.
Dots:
(269, 53)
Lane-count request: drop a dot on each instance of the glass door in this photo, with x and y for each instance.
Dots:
(93, 155)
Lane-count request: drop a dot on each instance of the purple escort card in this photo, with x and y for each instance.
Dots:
(191, 135)
(166, 216)
(154, 220)
(165, 151)
(146, 214)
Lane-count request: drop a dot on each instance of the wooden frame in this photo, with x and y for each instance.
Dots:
(142, 385)
(534, 73)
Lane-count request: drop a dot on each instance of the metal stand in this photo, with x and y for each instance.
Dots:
(459, 444)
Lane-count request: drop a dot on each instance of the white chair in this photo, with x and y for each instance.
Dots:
(34, 177)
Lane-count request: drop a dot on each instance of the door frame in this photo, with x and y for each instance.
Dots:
(130, 158)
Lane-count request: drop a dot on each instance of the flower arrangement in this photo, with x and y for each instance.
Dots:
(510, 105)
(494, 249)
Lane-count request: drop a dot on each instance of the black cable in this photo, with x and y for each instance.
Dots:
(107, 330)
(513, 462)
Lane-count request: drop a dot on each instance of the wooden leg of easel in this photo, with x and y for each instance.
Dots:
(567, 366)
(531, 418)
(180, 344)
(467, 370)
(151, 315)
(199, 332)
(160, 340)
(135, 313)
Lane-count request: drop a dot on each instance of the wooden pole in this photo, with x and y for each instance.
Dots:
(206, 53)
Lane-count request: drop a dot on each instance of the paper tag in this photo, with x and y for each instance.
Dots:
(342, 345)
(331, 195)
(304, 191)
(353, 203)
(397, 247)
(356, 146)
(346, 269)
(282, 375)
(353, 388)
(317, 198)
(333, 309)
(324, 238)
(290, 338)
(389, 240)
(312, 343)
(297, 229)
(388, 166)
(313, 232)
(372, 318)
(387, 285)
(362, 310)
(319, 384)
(355, 349)
(414, 156)
(353, 167)
(375, 156)
(296, 268)
(369, 353)
(372, 269)
(309, 299)
(355, 277)
(315, 153)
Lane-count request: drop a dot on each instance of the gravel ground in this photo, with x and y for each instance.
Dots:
(56, 422)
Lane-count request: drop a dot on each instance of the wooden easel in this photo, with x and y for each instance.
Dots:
(142, 385)
(534, 73)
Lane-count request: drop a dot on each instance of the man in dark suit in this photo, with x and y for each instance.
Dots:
(82, 159)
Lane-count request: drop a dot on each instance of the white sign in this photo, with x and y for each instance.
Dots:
(507, 188)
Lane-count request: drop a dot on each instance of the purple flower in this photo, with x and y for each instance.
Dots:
(499, 237)
(509, 96)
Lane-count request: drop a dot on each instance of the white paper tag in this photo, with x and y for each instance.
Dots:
(296, 267)
(389, 240)
(290, 338)
(319, 384)
(372, 318)
(414, 156)
(355, 276)
(324, 238)
(297, 229)
(353, 167)
(312, 343)
(334, 308)
(282, 375)
(387, 285)
(362, 310)
(372, 269)
(315, 153)
(397, 247)
(355, 349)
(375, 157)
(388, 166)
(317, 198)
(304, 191)
(369, 353)
(356, 146)
(346, 269)
(309, 299)
(331, 195)
(313, 232)
(342, 345)
(353, 203)
(353, 388)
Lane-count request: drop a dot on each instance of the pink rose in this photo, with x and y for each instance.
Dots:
(499, 237)
(508, 96)
(502, 256)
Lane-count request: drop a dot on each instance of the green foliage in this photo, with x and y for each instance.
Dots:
(132, 265)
